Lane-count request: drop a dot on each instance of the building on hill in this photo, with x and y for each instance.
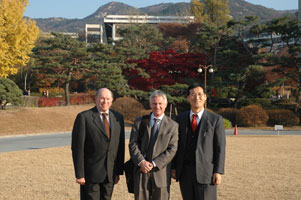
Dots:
(110, 23)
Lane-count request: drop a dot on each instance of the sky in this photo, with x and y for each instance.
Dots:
(82, 8)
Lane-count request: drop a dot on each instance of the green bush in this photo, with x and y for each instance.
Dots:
(252, 116)
(282, 117)
(229, 113)
(129, 107)
(10, 93)
(227, 123)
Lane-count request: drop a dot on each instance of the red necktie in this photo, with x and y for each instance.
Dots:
(194, 123)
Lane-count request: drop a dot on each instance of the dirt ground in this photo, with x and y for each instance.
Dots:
(257, 167)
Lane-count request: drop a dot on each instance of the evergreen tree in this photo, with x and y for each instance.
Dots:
(9, 93)
(106, 69)
(60, 59)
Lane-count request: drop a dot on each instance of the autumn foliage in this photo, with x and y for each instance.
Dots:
(163, 68)
(17, 36)
(252, 116)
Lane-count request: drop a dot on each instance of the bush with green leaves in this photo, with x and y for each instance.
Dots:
(282, 117)
(227, 123)
(252, 116)
(10, 93)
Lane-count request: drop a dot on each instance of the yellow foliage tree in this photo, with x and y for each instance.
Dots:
(17, 36)
(214, 12)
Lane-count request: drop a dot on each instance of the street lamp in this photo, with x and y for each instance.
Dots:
(200, 70)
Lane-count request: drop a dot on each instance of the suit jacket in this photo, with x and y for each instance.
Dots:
(210, 150)
(95, 156)
(164, 150)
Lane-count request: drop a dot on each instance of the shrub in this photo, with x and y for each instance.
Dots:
(252, 115)
(227, 123)
(282, 117)
(82, 98)
(48, 102)
(229, 113)
(10, 93)
(129, 107)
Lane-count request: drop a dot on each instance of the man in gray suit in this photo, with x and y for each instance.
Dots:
(152, 149)
(98, 148)
(200, 158)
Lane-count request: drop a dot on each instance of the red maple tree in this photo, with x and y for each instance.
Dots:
(163, 68)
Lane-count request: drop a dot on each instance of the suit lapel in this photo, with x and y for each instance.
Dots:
(203, 126)
(184, 127)
(113, 121)
(97, 121)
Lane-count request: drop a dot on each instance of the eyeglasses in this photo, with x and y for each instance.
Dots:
(194, 95)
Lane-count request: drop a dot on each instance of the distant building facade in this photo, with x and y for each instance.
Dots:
(105, 31)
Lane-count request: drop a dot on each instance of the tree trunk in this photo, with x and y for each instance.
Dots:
(67, 99)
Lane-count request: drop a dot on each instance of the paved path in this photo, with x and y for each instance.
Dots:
(39, 141)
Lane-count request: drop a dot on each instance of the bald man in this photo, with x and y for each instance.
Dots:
(98, 148)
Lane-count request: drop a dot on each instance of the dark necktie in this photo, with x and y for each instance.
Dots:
(194, 123)
(153, 137)
(106, 123)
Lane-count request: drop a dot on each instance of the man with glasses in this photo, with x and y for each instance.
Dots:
(200, 157)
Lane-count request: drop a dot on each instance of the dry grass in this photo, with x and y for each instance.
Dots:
(39, 120)
(257, 167)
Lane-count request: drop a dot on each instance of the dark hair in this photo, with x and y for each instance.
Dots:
(194, 85)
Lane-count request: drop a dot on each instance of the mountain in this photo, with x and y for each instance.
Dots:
(238, 9)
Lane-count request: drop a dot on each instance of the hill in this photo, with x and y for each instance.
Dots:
(238, 9)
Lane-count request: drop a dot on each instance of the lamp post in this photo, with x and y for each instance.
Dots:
(200, 70)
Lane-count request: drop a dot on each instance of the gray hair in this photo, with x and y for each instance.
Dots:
(158, 93)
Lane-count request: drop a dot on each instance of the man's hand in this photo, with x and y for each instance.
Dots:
(173, 174)
(217, 179)
(116, 180)
(81, 181)
(146, 166)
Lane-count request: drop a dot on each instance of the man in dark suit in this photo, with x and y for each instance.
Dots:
(200, 158)
(152, 150)
(98, 148)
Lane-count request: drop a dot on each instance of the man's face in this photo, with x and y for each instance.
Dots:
(158, 105)
(197, 98)
(104, 100)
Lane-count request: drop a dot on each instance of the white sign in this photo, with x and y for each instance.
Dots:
(278, 127)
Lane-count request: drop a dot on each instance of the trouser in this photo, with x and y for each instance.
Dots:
(148, 189)
(96, 191)
(191, 189)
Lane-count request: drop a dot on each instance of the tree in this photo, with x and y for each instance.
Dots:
(17, 36)
(213, 15)
(139, 40)
(9, 93)
(287, 60)
(214, 12)
(59, 60)
(163, 68)
(106, 69)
